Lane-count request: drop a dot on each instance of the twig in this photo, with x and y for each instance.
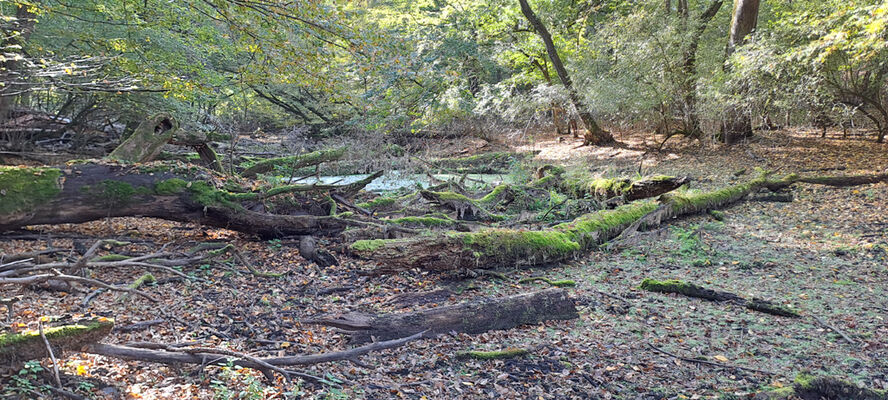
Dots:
(834, 329)
(714, 364)
(55, 363)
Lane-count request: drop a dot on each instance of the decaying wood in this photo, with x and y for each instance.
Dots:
(472, 317)
(91, 191)
(147, 141)
(183, 356)
(29, 345)
(490, 248)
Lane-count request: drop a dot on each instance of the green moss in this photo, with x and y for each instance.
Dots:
(668, 286)
(424, 221)
(511, 352)
(142, 280)
(717, 215)
(170, 187)
(451, 196)
(609, 187)
(558, 283)
(23, 188)
(804, 380)
(294, 162)
(595, 228)
(378, 202)
(367, 245)
(205, 194)
(494, 194)
(113, 193)
(10, 339)
(545, 245)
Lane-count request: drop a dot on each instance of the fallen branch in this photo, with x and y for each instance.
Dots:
(714, 364)
(205, 358)
(692, 290)
(834, 329)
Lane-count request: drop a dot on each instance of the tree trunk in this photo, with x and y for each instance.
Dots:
(594, 134)
(472, 317)
(692, 120)
(86, 192)
(738, 124)
(743, 21)
(9, 68)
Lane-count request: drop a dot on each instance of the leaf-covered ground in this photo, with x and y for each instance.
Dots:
(825, 254)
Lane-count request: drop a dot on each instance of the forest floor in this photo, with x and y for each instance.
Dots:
(824, 254)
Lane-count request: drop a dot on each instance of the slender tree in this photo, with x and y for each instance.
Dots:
(594, 134)
(689, 67)
(744, 19)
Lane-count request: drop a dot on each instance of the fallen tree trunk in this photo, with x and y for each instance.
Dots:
(469, 317)
(293, 162)
(29, 345)
(95, 190)
(491, 248)
(628, 189)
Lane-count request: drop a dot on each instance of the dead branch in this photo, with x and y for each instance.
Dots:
(714, 364)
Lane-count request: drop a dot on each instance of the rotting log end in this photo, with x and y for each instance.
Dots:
(28, 345)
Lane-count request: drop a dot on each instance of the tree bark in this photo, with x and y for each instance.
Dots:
(471, 317)
(594, 134)
(738, 124)
(744, 20)
(91, 191)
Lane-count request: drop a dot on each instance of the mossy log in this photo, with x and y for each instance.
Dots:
(511, 352)
(28, 345)
(293, 162)
(95, 190)
(472, 317)
(484, 163)
(692, 290)
(808, 387)
(625, 188)
(490, 248)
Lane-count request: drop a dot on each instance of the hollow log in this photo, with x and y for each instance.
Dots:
(294, 162)
(491, 248)
(90, 191)
(471, 317)
(28, 345)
